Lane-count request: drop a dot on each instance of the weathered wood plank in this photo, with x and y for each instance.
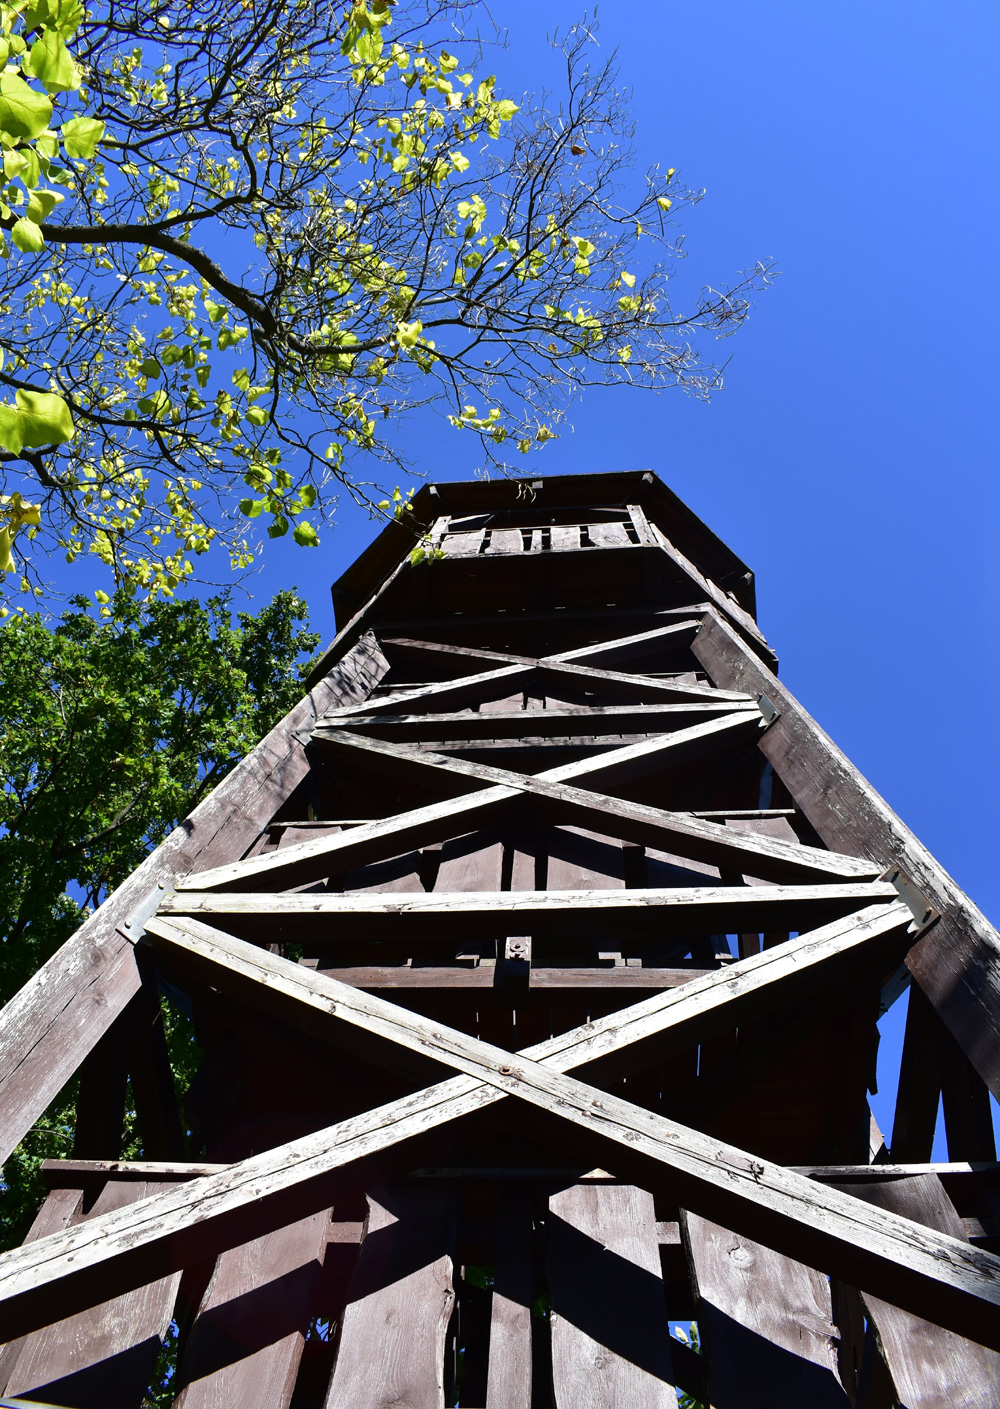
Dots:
(610, 1333)
(509, 1377)
(958, 962)
(451, 913)
(53, 1022)
(103, 1355)
(766, 1323)
(931, 1368)
(399, 1304)
(246, 1343)
(560, 721)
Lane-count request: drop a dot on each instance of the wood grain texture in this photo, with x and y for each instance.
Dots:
(766, 1323)
(957, 963)
(60, 1014)
(399, 1303)
(509, 1377)
(246, 1342)
(105, 1354)
(931, 1368)
(610, 1333)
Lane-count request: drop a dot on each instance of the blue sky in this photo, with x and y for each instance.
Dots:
(851, 458)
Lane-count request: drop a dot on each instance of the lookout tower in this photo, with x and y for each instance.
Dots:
(535, 961)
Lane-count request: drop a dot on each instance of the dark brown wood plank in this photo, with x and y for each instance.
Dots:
(399, 1303)
(246, 1343)
(103, 1355)
(766, 1323)
(958, 962)
(610, 1333)
(931, 1368)
(509, 1379)
(57, 1018)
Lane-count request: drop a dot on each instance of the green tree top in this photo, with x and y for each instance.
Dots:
(246, 236)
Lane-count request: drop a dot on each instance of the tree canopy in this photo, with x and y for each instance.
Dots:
(245, 237)
(111, 730)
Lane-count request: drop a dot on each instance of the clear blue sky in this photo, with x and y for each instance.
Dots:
(851, 458)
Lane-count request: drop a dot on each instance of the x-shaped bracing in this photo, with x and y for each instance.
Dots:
(918, 1268)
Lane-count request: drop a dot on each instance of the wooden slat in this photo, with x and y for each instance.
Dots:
(958, 962)
(766, 1322)
(105, 1354)
(932, 1368)
(610, 1334)
(445, 912)
(53, 1022)
(509, 1379)
(575, 720)
(399, 1304)
(246, 1342)
(179, 1225)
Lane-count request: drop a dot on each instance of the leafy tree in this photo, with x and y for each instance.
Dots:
(111, 730)
(247, 236)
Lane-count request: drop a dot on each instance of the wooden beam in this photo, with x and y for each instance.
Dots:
(582, 913)
(957, 964)
(577, 720)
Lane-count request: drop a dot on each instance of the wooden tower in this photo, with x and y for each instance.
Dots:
(535, 961)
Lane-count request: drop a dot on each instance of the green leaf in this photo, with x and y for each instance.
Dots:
(52, 64)
(27, 236)
(81, 135)
(38, 418)
(308, 496)
(41, 205)
(305, 535)
(151, 368)
(23, 112)
(257, 416)
(278, 528)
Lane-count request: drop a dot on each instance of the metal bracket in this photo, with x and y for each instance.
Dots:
(924, 914)
(134, 927)
(768, 711)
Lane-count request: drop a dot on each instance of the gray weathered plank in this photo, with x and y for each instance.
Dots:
(399, 1303)
(447, 911)
(246, 1342)
(508, 1384)
(105, 1354)
(931, 1368)
(766, 1323)
(610, 1333)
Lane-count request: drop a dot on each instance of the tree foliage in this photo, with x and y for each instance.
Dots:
(248, 236)
(111, 730)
